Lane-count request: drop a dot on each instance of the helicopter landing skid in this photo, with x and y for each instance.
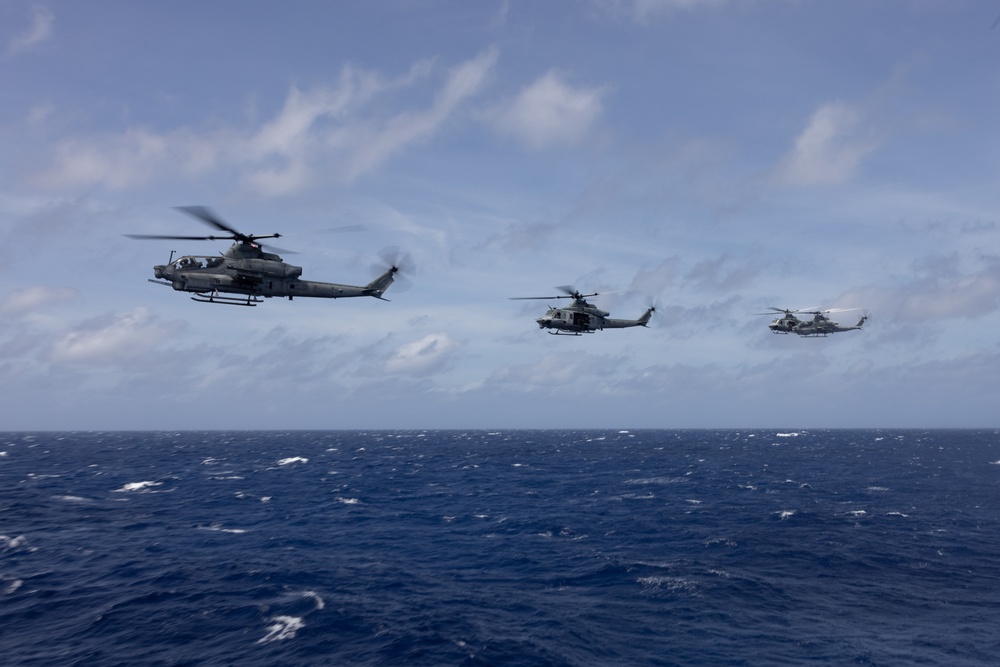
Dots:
(564, 333)
(215, 297)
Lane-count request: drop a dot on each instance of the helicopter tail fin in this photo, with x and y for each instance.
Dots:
(378, 286)
(861, 322)
(645, 316)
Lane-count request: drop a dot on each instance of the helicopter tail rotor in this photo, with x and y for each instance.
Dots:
(644, 318)
(396, 265)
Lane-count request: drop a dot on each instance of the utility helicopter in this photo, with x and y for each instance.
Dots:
(819, 325)
(249, 270)
(580, 316)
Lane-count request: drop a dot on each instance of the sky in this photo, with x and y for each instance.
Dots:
(714, 158)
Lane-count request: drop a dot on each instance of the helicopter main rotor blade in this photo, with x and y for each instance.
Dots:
(571, 291)
(181, 238)
(526, 298)
(207, 216)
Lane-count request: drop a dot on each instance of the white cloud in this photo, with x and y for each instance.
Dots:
(828, 150)
(330, 131)
(945, 296)
(642, 11)
(422, 356)
(463, 82)
(109, 340)
(550, 111)
(32, 298)
(573, 373)
(652, 282)
(117, 162)
(39, 31)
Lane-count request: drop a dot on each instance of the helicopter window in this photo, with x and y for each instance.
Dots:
(212, 262)
(558, 315)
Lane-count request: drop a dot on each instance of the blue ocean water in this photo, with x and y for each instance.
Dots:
(500, 548)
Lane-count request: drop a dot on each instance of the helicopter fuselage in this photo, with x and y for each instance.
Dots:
(821, 326)
(253, 273)
(587, 319)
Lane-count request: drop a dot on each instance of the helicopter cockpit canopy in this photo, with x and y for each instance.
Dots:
(192, 262)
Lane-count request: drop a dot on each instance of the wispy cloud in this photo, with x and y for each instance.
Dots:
(114, 339)
(32, 298)
(550, 111)
(429, 353)
(829, 149)
(463, 82)
(322, 132)
(642, 11)
(40, 30)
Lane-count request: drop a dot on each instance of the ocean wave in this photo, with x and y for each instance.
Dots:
(132, 487)
(282, 628)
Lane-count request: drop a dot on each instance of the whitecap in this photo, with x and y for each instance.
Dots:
(11, 543)
(793, 434)
(348, 501)
(786, 514)
(217, 527)
(72, 499)
(656, 480)
(315, 597)
(293, 459)
(12, 586)
(282, 627)
(137, 486)
(668, 583)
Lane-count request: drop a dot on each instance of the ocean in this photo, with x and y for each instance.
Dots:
(562, 548)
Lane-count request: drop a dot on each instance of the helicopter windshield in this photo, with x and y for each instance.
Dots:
(185, 263)
(189, 263)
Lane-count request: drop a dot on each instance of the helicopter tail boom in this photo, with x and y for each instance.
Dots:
(621, 324)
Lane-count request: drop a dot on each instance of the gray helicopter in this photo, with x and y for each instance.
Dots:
(581, 317)
(787, 322)
(819, 325)
(249, 270)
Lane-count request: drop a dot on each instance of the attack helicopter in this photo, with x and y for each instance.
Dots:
(819, 326)
(580, 316)
(247, 269)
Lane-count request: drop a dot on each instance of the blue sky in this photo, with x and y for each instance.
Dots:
(714, 157)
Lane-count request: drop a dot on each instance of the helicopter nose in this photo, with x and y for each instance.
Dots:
(158, 271)
(543, 322)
